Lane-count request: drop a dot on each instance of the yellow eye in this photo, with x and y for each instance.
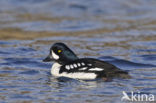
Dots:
(59, 51)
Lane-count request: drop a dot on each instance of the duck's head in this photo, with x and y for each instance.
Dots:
(60, 53)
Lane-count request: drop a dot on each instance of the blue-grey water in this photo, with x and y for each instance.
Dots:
(122, 32)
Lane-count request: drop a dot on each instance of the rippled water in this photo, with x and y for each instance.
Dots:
(122, 32)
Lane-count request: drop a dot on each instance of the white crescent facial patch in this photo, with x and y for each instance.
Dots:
(55, 56)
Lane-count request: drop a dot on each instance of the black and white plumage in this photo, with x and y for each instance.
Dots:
(67, 64)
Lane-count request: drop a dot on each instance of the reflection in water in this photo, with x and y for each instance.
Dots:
(117, 31)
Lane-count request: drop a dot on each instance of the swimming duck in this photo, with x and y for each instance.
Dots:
(67, 64)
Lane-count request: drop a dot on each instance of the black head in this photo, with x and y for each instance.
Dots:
(60, 53)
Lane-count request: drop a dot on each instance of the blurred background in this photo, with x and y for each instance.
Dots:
(122, 32)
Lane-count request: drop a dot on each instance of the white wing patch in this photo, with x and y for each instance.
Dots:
(96, 69)
(71, 66)
(67, 67)
(83, 63)
(55, 56)
(79, 64)
(84, 68)
(75, 65)
(89, 64)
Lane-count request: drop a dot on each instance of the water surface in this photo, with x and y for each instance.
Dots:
(117, 31)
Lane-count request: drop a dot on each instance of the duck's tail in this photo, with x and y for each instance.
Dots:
(122, 75)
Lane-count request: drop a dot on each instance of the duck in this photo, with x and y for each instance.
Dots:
(68, 64)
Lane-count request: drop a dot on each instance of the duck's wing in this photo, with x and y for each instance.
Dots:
(109, 70)
(91, 65)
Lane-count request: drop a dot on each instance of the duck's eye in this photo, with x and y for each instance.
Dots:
(59, 51)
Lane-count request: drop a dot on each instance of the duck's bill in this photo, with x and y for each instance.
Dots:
(48, 59)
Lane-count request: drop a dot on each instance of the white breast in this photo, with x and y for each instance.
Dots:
(55, 69)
